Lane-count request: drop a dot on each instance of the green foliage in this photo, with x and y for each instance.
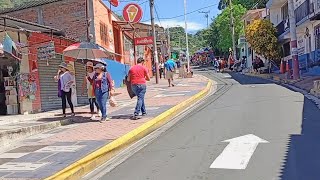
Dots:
(248, 4)
(6, 4)
(14, 3)
(261, 34)
(178, 39)
(219, 35)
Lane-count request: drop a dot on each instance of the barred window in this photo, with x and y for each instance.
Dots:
(104, 33)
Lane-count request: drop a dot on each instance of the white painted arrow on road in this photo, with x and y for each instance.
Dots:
(238, 152)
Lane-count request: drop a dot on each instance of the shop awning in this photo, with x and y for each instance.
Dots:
(10, 23)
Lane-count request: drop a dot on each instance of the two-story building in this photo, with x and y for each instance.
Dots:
(243, 45)
(307, 27)
(73, 17)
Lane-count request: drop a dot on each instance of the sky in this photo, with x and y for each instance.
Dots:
(166, 9)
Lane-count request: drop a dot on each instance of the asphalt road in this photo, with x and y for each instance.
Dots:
(287, 123)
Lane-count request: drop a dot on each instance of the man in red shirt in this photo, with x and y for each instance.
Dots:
(138, 76)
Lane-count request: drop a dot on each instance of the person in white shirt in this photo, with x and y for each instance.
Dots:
(161, 69)
(90, 89)
(66, 80)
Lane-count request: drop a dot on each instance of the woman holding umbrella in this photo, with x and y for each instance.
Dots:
(102, 85)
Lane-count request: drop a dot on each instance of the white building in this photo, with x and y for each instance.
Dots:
(308, 28)
(243, 45)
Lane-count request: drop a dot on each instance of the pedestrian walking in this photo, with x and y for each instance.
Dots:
(65, 80)
(90, 90)
(138, 76)
(170, 68)
(161, 69)
(103, 86)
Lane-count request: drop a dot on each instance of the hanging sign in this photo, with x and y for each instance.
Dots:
(10, 47)
(143, 41)
(114, 3)
(46, 52)
(132, 13)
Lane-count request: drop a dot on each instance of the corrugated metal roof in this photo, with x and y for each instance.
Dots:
(26, 5)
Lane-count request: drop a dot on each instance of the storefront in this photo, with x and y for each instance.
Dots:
(47, 55)
(9, 70)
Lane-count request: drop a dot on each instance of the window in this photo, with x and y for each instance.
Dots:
(285, 11)
(104, 33)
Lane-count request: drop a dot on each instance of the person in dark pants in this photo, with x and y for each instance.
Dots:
(103, 86)
(66, 80)
(138, 76)
(161, 69)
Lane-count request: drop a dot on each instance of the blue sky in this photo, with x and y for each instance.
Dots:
(171, 8)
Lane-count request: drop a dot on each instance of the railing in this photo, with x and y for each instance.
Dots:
(282, 27)
(302, 11)
(314, 7)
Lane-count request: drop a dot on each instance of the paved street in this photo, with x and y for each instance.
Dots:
(44, 154)
(277, 129)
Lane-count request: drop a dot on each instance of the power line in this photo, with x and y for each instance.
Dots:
(195, 11)
(155, 8)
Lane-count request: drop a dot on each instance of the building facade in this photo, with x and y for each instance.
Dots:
(307, 27)
(243, 45)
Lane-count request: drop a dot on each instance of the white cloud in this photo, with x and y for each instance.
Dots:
(192, 26)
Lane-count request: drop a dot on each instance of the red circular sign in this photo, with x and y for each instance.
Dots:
(132, 13)
(114, 3)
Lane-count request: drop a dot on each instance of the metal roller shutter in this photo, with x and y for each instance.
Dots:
(48, 87)
(80, 74)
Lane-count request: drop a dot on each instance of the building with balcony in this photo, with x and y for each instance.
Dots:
(307, 23)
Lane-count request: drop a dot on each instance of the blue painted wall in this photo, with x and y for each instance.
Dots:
(117, 71)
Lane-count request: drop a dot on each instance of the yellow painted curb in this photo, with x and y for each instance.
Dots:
(95, 159)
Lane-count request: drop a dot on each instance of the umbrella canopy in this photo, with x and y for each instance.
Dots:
(86, 51)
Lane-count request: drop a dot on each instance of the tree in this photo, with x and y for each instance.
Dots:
(178, 39)
(220, 34)
(6, 4)
(261, 34)
(248, 4)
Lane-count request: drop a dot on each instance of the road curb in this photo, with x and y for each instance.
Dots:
(19, 133)
(95, 159)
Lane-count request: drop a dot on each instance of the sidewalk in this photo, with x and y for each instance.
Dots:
(15, 127)
(45, 154)
(305, 83)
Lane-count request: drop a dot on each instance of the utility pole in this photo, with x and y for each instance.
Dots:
(293, 43)
(206, 15)
(155, 49)
(169, 40)
(233, 32)
(186, 29)
(87, 20)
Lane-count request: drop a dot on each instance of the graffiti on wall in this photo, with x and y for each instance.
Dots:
(27, 86)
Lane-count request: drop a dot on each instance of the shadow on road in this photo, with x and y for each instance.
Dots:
(303, 156)
(245, 80)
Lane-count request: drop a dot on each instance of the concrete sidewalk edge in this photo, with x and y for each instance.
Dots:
(97, 158)
(19, 133)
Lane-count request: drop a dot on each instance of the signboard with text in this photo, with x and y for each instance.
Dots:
(46, 52)
(143, 41)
